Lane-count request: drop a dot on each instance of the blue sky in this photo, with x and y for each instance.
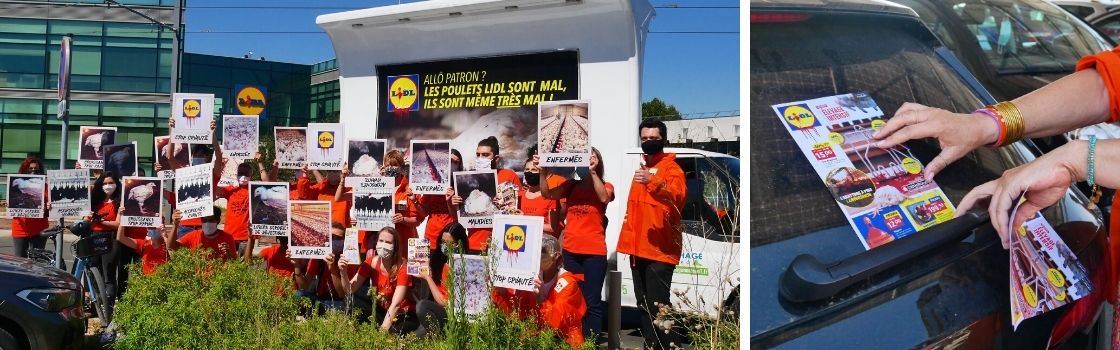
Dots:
(695, 72)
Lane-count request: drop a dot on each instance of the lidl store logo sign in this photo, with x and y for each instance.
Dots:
(191, 108)
(326, 139)
(404, 92)
(251, 100)
(799, 117)
(515, 238)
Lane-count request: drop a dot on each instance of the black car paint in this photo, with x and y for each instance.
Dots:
(956, 289)
(39, 328)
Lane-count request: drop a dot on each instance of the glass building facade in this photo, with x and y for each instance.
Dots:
(286, 85)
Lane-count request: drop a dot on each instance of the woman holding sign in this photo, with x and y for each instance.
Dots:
(433, 313)
(585, 243)
(388, 276)
(486, 158)
(532, 201)
(27, 232)
(409, 213)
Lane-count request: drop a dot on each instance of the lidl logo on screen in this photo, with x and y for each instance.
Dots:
(251, 100)
(404, 92)
(515, 238)
(192, 108)
(326, 139)
(799, 117)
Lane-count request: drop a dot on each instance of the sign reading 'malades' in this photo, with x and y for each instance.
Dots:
(467, 100)
(251, 100)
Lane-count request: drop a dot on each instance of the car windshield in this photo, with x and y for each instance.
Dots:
(1016, 37)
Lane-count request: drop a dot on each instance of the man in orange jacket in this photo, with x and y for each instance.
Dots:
(651, 231)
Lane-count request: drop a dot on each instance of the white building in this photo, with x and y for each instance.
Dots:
(703, 130)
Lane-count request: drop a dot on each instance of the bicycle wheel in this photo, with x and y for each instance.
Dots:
(97, 295)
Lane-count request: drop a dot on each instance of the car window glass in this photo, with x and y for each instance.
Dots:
(1079, 11)
(1025, 36)
(1110, 27)
(798, 61)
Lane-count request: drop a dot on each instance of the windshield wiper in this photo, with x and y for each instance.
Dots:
(807, 279)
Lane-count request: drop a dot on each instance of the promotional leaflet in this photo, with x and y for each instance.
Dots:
(419, 251)
(1045, 274)
(882, 192)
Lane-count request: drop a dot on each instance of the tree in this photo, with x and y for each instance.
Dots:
(656, 108)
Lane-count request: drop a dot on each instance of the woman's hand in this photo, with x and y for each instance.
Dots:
(398, 218)
(956, 133)
(1044, 180)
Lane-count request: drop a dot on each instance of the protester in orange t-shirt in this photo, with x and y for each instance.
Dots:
(220, 243)
(200, 154)
(237, 206)
(433, 312)
(103, 220)
(277, 259)
(584, 240)
(152, 248)
(557, 302)
(532, 201)
(409, 213)
(486, 158)
(330, 291)
(437, 207)
(387, 273)
(27, 232)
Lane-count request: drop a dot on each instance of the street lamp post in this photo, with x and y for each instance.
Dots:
(64, 115)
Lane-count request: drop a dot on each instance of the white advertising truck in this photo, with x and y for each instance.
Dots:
(464, 70)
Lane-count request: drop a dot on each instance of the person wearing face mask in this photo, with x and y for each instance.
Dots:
(409, 212)
(387, 274)
(436, 205)
(486, 157)
(152, 249)
(651, 231)
(322, 280)
(237, 202)
(220, 243)
(27, 232)
(557, 301)
(103, 218)
(583, 207)
(200, 154)
(325, 189)
(276, 258)
(121, 256)
(432, 311)
(532, 201)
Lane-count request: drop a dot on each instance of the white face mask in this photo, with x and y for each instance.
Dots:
(243, 180)
(483, 164)
(209, 228)
(384, 250)
(109, 189)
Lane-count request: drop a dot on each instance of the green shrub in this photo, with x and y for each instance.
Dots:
(193, 302)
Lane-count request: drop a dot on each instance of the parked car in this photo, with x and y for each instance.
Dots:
(1087, 9)
(943, 287)
(1014, 47)
(40, 307)
(1108, 23)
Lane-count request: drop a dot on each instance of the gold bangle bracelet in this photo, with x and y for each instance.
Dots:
(1013, 121)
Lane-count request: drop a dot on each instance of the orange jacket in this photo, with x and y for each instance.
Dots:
(1107, 64)
(564, 308)
(652, 226)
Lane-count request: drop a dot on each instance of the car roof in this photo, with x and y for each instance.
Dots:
(871, 6)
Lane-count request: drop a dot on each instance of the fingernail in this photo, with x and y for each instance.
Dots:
(879, 144)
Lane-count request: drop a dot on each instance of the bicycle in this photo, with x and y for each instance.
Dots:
(87, 246)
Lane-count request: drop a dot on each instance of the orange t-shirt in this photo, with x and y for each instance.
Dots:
(108, 212)
(150, 256)
(340, 210)
(583, 224)
(477, 237)
(564, 308)
(222, 246)
(438, 216)
(509, 301)
(1107, 65)
(276, 262)
(237, 211)
(136, 233)
(385, 287)
(325, 290)
(29, 227)
(406, 230)
(538, 206)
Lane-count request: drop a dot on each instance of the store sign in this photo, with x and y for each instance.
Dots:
(251, 99)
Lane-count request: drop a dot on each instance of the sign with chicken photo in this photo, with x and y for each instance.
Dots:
(194, 187)
(364, 156)
(140, 201)
(26, 196)
(291, 147)
(477, 189)
(166, 152)
(90, 140)
(240, 138)
(268, 208)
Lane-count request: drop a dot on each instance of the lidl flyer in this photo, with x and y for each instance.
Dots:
(881, 190)
(1045, 274)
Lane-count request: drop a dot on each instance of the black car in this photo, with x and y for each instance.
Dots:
(40, 307)
(813, 285)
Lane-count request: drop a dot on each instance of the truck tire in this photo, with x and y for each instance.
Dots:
(7, 341)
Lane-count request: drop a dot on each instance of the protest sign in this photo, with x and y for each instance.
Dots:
(140, 201)
(517, 250)
(165, 151)
(364, 156)
(26, 195)
(120, 159)
(194, 196)
(325, 143)
(69, 193)
(470, 294)
(193, 114)
(477, 188)
(882, 192)
(373, 201)
(430, 171)
(90, 141)
(268, 208)
(228, 176)
(310, 236)
(419, 251)
(291, 147)
(563, 133)
(240, 136)
(350, 247)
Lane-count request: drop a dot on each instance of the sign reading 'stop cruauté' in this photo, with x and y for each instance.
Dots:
(467, 100)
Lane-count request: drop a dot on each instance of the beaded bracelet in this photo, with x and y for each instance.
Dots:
(1095, 194)
(999, 125)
